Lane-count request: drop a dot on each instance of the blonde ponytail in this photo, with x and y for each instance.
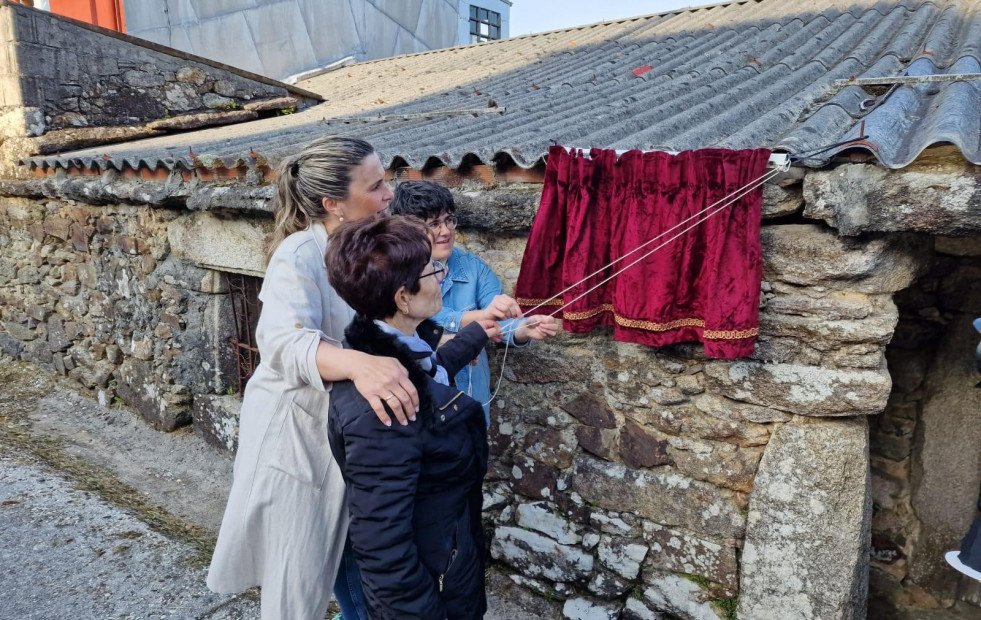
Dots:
(321, 170)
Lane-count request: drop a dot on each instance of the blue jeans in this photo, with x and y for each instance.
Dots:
(347, 587)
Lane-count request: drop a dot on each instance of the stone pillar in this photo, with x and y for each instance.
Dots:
(807, 534)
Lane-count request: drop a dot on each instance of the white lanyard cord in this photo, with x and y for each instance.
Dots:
(728, 201)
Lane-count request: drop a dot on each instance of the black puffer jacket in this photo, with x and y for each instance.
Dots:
(415, 491)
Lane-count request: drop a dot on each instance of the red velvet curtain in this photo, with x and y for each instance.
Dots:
(703, 286)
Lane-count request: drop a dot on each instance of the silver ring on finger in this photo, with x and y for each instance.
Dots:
(390, 397)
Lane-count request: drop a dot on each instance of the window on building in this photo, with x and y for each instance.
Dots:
(485, 25)
(244, 292)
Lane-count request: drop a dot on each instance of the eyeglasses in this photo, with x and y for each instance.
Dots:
(439, 270)
(449, 221)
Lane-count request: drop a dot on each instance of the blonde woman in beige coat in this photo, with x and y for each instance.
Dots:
(286, 520)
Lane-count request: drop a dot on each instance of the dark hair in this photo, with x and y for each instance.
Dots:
(322, 169)
(369, 260)
(421, 199)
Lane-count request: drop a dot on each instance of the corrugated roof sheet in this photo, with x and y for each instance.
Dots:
(758, 73)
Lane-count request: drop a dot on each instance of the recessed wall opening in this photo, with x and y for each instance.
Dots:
(926, 446)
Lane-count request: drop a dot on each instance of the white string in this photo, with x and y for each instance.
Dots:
(752, 185)
(726, 202)
(504, 360)
(729, 200)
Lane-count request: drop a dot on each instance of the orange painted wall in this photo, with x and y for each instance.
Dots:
(105, 13)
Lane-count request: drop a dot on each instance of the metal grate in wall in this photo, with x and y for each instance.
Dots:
(244, 291)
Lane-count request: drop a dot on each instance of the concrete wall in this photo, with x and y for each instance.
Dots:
(279, 38)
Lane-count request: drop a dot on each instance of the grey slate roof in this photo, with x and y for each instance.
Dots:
(756, 73)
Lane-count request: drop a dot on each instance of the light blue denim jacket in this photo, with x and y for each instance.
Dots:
(471, 285)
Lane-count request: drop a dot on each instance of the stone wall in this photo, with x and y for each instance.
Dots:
(61, 79)
(625, 480)
(72, 76)
(627, 477)
(95, 293)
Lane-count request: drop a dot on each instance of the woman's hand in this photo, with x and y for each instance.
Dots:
(536, 328)
(500, 308)
(385, 380)
(493, 330)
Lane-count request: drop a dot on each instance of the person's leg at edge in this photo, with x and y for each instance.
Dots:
(347, 587)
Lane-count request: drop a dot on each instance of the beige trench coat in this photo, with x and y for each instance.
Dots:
(286, 520)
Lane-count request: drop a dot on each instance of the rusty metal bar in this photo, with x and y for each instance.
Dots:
(244, 292)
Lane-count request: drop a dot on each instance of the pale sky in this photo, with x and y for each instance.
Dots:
(528, 16)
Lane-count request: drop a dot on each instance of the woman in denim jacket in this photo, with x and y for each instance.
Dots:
(471, 290)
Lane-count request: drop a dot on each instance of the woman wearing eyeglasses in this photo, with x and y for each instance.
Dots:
(285, 524)
(414, 491)
(471, 291)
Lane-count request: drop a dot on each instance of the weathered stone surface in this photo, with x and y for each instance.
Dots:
(607, 585)
(784, 351)
(138, 386)
(613, 524)
(804, 390)
(960, 291)
(724, 465)
(780, 201)
(587, 609)
(621, 557)
(663, 497)
(680, 597)
(809, 255)
(504, 210)
(20, 331)
(538, 556)
(823, 333)
(599, 441)
(958, 246)
(533, 479)
(59, 227)
(87, 275)
(946, 472)
(278, 103)
(540, 364)
(215, 243)
(191, 75)
(636, 609)
(539, 518)
(690, 421)
(639, 448)
(551, 446)
(942, 198)
(216, 419)
(204, 119)
(807, 536)
(831, 305)
(678, 551)
(591, 410)
(727, 409)
(10, 345)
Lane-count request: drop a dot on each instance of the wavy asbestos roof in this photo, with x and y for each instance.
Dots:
(758, 73)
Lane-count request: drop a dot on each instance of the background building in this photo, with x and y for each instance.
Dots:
(279, 38)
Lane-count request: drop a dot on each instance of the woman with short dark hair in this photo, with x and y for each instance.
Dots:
(471, 291)
(285, 524)
(414, 491)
